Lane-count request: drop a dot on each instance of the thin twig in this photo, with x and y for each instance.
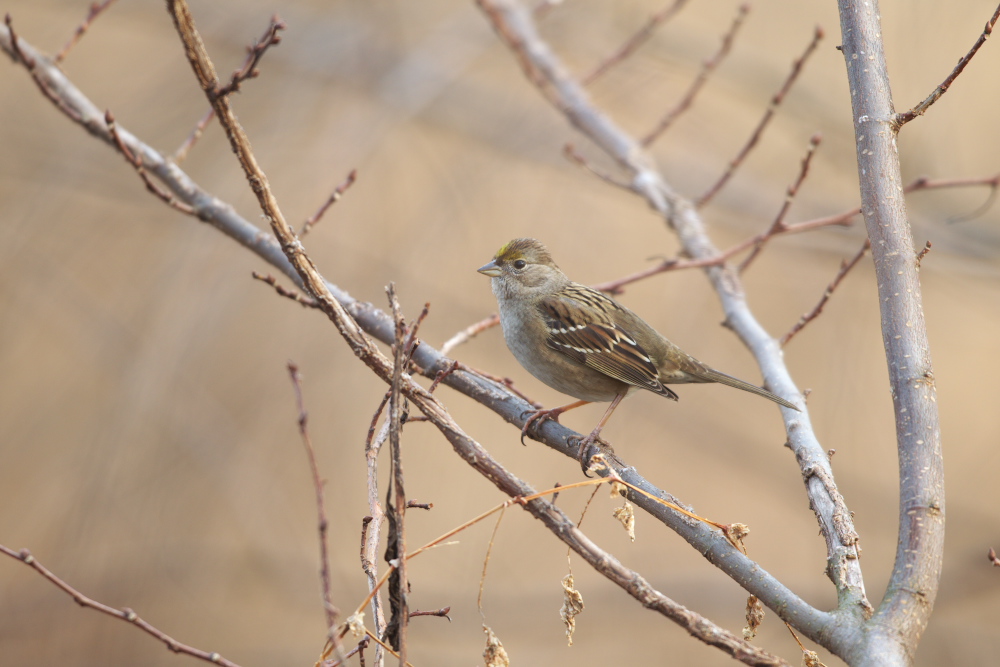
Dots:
(304, 301)
(256, 51)
(248, 70)
(199, 129)
(399, 591)
(634, 42)
(95, 10)
(923, 253)
(764, 121)
(124, 614)
(571, 154)
(136, 162)
(845, 268)
(707, 67)
(779, 225)
(324, 548)
(338, 192)
(919, 110)
(469, 332)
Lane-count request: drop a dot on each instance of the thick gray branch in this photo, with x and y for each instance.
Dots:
(905, 610)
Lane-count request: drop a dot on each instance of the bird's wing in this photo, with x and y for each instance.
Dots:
(580, 326)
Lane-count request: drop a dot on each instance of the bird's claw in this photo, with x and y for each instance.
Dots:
(590, 447)
(538, 416)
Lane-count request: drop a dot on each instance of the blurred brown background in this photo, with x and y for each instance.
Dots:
(148, 446)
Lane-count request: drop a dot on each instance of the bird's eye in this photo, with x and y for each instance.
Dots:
(519, 264)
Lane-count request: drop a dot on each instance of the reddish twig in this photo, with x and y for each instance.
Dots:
(569, 151)
(182, 151)
(136, 161)
(634, 42)
(95, 10)
(992, 555)
(469, 332)
(442, 612)
(919, 110)
(419, 506)
(338, 192)
(845, 268)
(779, 225)
(305, 301)
(248, 70)
(124, 614)
(256, 51)
(707, 67)
(759, 130)
(324, 549)
(923, 253)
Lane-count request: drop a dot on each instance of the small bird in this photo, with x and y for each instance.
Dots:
(584, 343)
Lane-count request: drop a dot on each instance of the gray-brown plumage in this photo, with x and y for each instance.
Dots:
(584, 343)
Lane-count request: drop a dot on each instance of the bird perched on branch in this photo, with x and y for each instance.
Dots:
(584, 343)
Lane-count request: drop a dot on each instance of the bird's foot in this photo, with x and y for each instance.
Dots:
(590, 447)
(537, 418)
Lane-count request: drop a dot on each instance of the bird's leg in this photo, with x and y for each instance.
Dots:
(587, 443)
(542, 415)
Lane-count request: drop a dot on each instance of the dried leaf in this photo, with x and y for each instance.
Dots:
(811, 659)
(356, 623)
(572, 605)
(617, 489)
(494, 654)
(755, 616)
(626, 515)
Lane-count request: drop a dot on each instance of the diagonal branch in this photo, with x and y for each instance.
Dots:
(901, 119)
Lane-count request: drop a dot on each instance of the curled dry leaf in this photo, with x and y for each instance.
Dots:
(755, 616)
(572, 605)
(356, 623)
(494, 654)
(626, 514)
(811, 659)
(617, 489)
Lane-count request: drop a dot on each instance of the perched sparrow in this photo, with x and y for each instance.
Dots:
(584, 343)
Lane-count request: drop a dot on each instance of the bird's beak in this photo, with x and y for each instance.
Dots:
(491, 269)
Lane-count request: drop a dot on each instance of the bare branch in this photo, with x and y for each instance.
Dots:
(182, 151)
(919, 110)
(634, 42)
(845, 268)
(304, 301)
(707, 68)
(95, 10)
(338, 192)
(470, 332)
(764, 121)
(903, 613)
(779, 220)
(322, 524)
(124, 614)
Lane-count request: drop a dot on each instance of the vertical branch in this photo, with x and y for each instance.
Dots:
(318, 483)
(402, 611)
(903, 614)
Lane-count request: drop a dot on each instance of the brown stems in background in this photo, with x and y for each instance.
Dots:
(634, 42)
(318, 483)
(764, 121)
(95, 10)
(338, 192)
(124, 614)
(845, 268)
(707, 67)
(779, 220)
(901, 119)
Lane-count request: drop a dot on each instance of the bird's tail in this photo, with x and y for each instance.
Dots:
(711, 375)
